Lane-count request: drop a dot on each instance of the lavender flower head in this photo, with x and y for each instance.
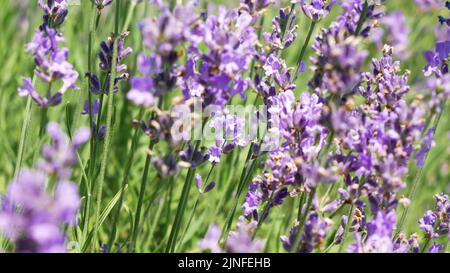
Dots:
(59, 157)
(221, 48)
(101, 4)
(316, 9)
(51, 66)
(55, 12)
(379, 236)
(161, 37)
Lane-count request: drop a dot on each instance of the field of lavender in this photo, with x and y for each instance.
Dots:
(224, 126)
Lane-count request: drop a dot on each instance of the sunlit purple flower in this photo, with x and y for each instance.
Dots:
(230, 42)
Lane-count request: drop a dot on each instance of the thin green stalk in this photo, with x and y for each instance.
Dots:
(194, 208)
(305, 46)
(109, 129)
(181, 207)
(263, 214)
(23, 136)
(129, 16)
(347, 227)
(141, 196)
(91, 165)
(125, 181)
(300, 205)
(302, 219)
(362, 18)
(418, 177)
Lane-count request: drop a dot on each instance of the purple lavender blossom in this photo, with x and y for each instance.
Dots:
(316, 9)
(32, 218)
(428, 142)
(59, 157)
(51, 66)
(395, 34)
(436, 223)
(214, 74)
(379, 236)
(313, 234)
(55, 12)
(161, 36)
(238, 241)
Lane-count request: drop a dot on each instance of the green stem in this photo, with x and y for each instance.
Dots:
(181, 206)
(347, 227)
(109, 129)
(141, 195)
(23, 136)
(305, 46)
(129, 16)
(362, 18)
(302, 219)
(91, 165)
(125, 182)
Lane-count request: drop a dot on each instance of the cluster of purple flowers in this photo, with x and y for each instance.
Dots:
(220, 49)
(436, 222)
(40, 203)
(50, 58)
(161, 36)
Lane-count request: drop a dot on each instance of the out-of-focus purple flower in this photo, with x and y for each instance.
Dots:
(161, 36)
(435, 248)
(166, 166)
(313, 235)
(32, 218)
(436, 223)
(428, 5)
(60, 156)
(395, 34)
(284, 31)
(379, 235)
(239, 241)
(211, 240)
(255, 7)
(428, 142)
